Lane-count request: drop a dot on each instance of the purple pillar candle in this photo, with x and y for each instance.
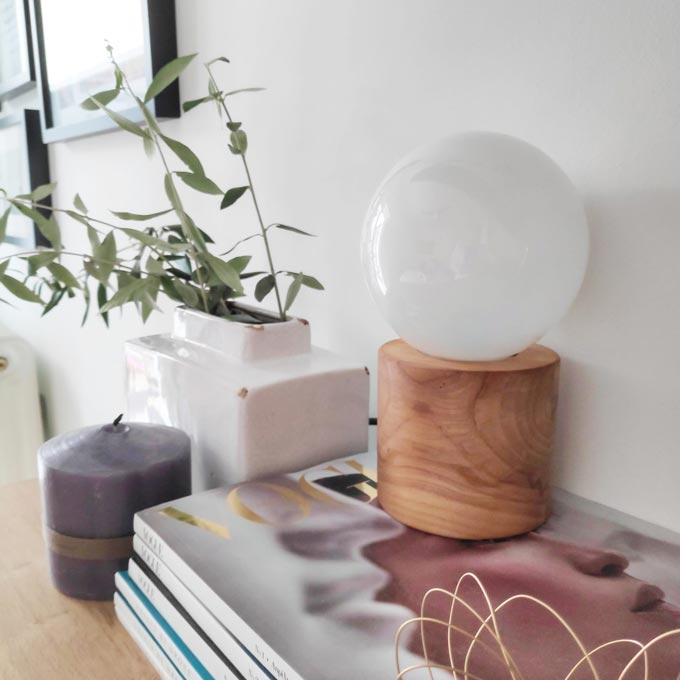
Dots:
(92, 482)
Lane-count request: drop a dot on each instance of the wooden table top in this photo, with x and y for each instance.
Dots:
(44, 634)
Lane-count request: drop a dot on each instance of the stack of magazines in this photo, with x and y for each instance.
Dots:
(304, 577)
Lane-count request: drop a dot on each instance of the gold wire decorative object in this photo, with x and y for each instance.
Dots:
(502, 653)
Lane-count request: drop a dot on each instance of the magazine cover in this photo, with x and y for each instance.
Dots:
(324, 579)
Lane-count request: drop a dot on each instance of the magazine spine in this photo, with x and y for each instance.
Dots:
(224, 639)
(157, 632)
(245, 666)
(144, 641)
(163, 554)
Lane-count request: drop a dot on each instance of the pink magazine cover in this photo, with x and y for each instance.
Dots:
(316, 580)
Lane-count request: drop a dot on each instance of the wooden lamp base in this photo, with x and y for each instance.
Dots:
(464, 448)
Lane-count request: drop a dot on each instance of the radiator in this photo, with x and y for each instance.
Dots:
(21, 430)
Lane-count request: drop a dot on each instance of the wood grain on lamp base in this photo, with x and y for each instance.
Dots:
(464, 448)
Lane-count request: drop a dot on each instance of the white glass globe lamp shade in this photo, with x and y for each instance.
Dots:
(475, 246)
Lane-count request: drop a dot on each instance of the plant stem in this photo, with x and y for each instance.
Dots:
(180, 212)
(115, 227)
(82, 256)
(270, 259)
(185, 227)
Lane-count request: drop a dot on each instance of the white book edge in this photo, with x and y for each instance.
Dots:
(144, 641)
(229, 619)
(163, 640)
(207, 656)
(224, 640)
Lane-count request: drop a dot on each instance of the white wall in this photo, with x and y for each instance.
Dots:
(354, 85)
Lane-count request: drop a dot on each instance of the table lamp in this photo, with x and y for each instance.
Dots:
(473, 248)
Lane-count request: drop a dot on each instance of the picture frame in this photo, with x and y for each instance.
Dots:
(72, 62)
(24, 165)
(17, 68)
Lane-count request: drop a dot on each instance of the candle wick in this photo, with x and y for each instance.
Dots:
(117, 420)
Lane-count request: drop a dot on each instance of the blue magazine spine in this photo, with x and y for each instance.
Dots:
(166, 638)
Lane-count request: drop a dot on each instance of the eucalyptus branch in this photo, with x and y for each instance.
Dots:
(175, 199)
(173, 260)
(85, 218)
(270, 260)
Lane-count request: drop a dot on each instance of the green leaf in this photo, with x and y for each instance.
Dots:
(232, 196)
(233, 126)
(216, 59)
(185, 154)
(48, 227)
(93, 237)
(264, 286)
(3, 224)
(224, 272)
(3, 267)
(206, 237)
(102, 299)
(148, 306)
(91, 269)
(35, 262)
(97, 101)
(166, 75)
(188, 293)
(308, 281)
(293, 291)
(125, 123)
(168, 287)
(105, 256)
(189, 228)
(125, 294)
(239, 140)
(148, 116)
(50, 230)
(199, 183)
(139, 217)
(149, 147)
(311, 282)
(77, 217)
(57, 295)
(147, 296)
(154, 266)
(64, 275)
(43, 191)
(78, 204)
(295, 230)
(239, 263)
(193, 103)
(244, 89)
(19, 290)
(154, 242)
(170, 193)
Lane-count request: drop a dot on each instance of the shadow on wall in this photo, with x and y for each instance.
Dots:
(620, 347)
(633, 268)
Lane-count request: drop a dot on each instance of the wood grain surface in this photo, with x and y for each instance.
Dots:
(45, 635)
(464, 448)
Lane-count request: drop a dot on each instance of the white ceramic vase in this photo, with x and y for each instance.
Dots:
(256, 399)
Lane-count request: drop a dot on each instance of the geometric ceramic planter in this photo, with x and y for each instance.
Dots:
(256, 399)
